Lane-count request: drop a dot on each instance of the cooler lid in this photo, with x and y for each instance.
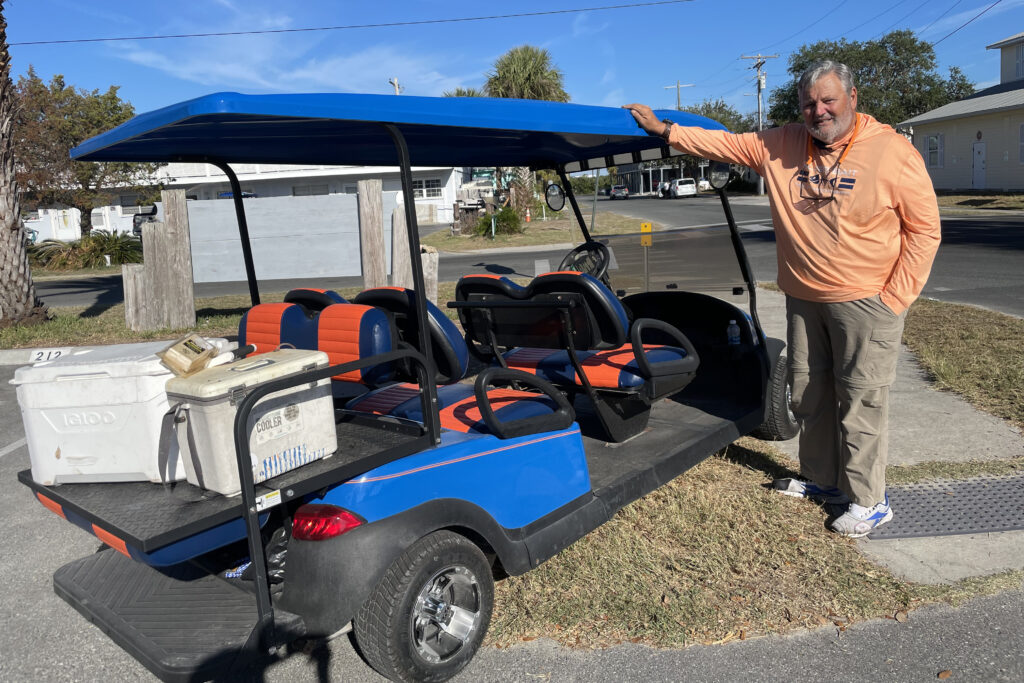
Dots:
(219, 381)
(117, 360)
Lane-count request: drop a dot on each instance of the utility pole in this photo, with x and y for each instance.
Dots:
(677, 86)
(394, 82)
(758, 64)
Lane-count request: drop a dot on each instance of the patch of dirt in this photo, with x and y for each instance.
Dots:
(37, 316)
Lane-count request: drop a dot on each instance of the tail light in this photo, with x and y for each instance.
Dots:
(315, 522)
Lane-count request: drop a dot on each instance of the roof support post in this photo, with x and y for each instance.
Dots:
(243, 231)
(428, 376)
(575, 207)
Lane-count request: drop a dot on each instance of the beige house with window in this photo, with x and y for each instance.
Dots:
(978, 142)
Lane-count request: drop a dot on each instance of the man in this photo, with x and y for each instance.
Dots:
(857, 228)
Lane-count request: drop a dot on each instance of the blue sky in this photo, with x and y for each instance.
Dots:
(609, 57)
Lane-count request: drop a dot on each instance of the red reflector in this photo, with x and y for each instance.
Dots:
(315, 522)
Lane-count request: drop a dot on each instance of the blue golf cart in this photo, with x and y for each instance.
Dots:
(464, 452)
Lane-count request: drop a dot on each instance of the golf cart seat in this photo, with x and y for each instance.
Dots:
(312, 298)
(447, 347)
(480, 408)
(569, 329)
(346, 332)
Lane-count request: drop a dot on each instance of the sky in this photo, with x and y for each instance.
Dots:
(635, 52)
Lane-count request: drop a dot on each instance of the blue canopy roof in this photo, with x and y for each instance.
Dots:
(341, 129)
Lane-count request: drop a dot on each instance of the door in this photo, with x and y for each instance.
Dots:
(979, 166)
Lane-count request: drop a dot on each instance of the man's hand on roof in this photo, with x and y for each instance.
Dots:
(645, 118)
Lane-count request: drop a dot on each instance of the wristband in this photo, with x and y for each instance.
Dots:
(668, 128)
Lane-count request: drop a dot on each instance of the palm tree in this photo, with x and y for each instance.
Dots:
(17, 294)
(464, 92)
(525, 73)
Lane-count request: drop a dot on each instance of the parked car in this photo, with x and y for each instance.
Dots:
(619, 192)
(704, 185)
(682, 187)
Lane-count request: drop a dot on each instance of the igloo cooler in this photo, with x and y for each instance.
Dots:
(286, 429)
(100, 415)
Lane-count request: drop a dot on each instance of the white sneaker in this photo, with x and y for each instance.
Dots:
(804, 488)
(860, 521)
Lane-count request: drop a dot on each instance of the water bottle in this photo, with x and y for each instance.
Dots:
(733, 333)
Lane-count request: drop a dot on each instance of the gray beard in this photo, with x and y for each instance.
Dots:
(837, 130)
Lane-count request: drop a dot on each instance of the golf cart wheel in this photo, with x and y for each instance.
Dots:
(780, 424)
(427, 617)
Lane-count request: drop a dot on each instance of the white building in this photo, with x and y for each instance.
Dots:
(978, 142)
(435, 189)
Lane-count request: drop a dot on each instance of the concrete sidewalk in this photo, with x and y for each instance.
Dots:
(926, 425)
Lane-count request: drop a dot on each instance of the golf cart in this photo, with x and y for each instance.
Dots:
(460, 455)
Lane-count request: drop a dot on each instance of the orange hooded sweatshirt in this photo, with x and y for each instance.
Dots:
(878, 235)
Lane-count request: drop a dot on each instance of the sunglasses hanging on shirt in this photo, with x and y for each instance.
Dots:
(821, 187)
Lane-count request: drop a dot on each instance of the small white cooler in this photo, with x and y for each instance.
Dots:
(287, 429)
(96, 415)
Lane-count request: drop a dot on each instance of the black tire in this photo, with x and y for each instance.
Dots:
(440, 585)
(780, 424)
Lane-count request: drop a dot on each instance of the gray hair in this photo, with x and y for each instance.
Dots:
(823, 68)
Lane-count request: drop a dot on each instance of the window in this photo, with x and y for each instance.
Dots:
(933, 150)
(350, 189)
(1020, 60)
(309, 190)
(429, 188)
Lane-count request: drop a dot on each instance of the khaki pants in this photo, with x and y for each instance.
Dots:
(842, 360)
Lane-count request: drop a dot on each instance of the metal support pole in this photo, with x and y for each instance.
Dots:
(572, 202)
(243, 231)
(428, 377)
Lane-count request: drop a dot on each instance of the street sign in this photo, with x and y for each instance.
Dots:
(645, 235)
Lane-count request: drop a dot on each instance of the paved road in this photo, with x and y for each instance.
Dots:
(978, 263)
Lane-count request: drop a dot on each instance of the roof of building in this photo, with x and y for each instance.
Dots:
(1019, 38)
(998, 98)
(343, 129)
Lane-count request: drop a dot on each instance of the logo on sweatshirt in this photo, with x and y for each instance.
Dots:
(842, 182)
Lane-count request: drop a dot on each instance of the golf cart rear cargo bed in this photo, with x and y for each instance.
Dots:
(150, 516)
(183, 624)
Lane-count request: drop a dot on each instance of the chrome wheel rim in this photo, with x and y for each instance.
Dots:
(446, 614)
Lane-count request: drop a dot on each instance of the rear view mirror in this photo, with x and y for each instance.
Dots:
(555, 197)
(719, 175)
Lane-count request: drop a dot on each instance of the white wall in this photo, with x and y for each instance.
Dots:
(1001, 133)
(57, 224)
(291, 237)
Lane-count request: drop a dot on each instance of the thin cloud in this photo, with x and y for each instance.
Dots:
(582, 26)
(949, 23)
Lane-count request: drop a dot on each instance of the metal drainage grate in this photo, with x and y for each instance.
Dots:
(945, 508)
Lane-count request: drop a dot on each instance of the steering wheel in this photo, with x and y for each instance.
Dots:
(591, 258)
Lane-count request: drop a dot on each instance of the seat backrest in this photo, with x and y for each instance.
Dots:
(312, 298)
(349, 332)
(598, 319)
(447, 347)
(268, 326)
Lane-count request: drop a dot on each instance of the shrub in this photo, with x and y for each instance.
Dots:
(506, 222)
(88, 252)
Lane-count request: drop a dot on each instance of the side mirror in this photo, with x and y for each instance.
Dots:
(555, 197)
(719, 175)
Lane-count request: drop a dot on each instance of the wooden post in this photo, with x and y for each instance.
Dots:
(428, 256)
(371, 234)
(158, 293)
(401, 263)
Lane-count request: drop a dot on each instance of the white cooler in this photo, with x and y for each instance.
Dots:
(96, 415)
(286, 429)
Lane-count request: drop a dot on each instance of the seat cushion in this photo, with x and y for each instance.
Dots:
(268, 326)
(457, 403)
(349, 332)
(609, 369)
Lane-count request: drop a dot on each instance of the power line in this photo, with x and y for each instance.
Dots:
(951, 7)
(351, 26)
(813, 23)
(865, 23)
(966, 22)
(900, 20)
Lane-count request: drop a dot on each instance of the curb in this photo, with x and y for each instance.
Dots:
(513, 250)
(16, 356)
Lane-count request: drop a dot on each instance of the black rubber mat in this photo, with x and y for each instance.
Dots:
(946, 508)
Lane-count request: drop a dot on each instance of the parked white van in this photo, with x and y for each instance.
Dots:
(682, 187)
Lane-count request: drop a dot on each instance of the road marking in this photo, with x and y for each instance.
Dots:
(13, 447)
